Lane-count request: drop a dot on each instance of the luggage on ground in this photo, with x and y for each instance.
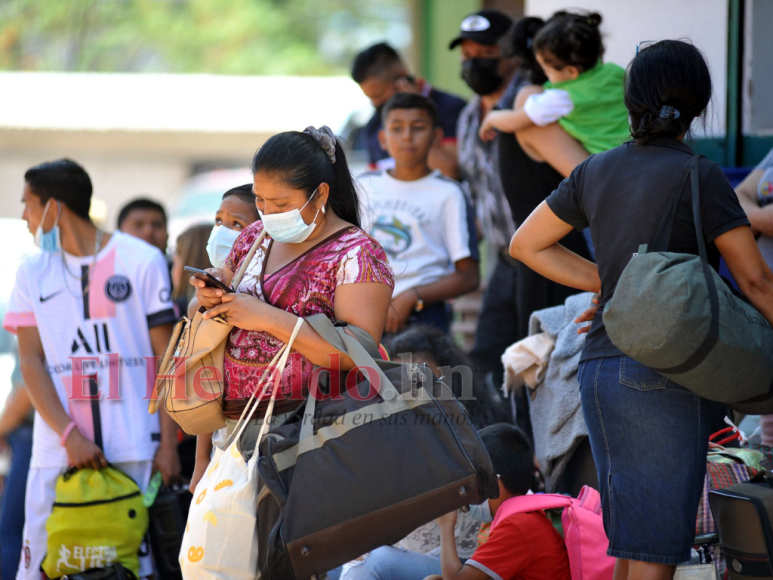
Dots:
(583, 528)
(675, 314)
(345, 475)
(98, 519)
(743, 516)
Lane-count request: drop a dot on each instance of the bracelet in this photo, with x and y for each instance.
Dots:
(69, 429)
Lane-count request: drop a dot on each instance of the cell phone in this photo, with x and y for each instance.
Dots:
(208, 278)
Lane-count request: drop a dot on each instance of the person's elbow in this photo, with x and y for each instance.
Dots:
(518, 246)
(472, 279)
(757, 287)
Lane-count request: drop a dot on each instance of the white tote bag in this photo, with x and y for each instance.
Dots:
(221, 536)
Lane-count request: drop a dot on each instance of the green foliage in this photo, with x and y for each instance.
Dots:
(263, 37)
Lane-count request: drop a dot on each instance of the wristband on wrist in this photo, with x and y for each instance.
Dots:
(67, 431)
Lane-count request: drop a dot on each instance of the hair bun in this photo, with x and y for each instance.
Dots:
(594, 19)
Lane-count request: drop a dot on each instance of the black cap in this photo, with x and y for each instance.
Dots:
(484, 27)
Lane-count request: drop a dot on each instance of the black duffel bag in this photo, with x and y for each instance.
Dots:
(342, 477)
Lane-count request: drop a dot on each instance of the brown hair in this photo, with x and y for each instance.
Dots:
(192, 250)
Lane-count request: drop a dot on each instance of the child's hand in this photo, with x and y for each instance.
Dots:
(487, 132)
(447, 522)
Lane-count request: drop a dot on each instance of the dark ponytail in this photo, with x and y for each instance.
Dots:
(297, 160)
(519, 44)
(571, 39)
(668, 84)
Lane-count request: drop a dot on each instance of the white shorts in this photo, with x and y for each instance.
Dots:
(41, 492)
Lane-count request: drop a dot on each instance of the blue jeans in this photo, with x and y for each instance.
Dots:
(649, 438)
(389, 563)
(12, 515)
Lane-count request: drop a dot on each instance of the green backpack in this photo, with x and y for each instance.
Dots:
(98, 518)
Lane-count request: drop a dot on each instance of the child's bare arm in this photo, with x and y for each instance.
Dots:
(505, 122)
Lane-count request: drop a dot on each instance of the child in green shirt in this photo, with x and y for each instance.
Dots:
(583, 94)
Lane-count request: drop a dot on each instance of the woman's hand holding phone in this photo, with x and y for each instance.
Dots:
(207, 296)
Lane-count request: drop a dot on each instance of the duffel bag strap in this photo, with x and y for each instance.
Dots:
(338, 338)
(343, 342)
(712, 337)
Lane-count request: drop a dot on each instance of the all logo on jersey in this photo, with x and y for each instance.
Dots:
(118, 288)
(99, 342)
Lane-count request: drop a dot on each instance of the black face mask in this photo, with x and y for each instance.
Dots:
(482, 75)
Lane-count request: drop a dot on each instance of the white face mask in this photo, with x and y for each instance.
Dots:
(481, 513)
(50, 241)
(289, 226)
(219, 245)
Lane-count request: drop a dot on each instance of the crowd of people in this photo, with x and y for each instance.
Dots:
(561, 164)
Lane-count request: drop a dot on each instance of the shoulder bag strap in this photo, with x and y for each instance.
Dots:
(663, 235)
(712, 337)
(247, 259)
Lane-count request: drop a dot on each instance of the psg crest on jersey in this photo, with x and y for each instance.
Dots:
(118, 288)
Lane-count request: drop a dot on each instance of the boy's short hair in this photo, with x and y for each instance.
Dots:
(374, 61)
(511, 455)
(411, 101)
(139, 203)
(63, 180)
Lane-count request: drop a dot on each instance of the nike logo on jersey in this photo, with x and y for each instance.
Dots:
(50, 296)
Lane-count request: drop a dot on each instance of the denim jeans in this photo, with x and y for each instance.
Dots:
(390, 563)
(12, 515)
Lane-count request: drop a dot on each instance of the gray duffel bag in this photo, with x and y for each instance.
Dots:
(673, 313)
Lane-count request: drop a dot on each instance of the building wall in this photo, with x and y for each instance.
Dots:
(121, 165)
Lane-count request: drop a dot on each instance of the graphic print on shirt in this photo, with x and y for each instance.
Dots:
(392, 229)
(393, 235)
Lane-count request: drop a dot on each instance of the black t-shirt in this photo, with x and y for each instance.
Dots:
(622, 195)
(449, 107)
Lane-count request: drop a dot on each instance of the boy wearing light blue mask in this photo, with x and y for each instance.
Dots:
(236, 212)
(522, 546)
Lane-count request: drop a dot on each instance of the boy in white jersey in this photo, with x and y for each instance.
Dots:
(91, 303)
(420, 218)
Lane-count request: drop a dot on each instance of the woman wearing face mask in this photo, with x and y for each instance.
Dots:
(314, 259)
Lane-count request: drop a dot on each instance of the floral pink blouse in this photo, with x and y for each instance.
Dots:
(304, 287)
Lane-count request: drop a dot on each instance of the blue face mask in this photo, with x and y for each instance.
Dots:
(481, 513)
(289, 226)
(219, 245)
(50, 241)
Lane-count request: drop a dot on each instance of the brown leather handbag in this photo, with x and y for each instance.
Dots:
(190, 380)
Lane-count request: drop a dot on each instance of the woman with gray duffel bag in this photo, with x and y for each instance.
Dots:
(649, 434)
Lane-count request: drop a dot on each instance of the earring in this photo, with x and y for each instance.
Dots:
(323, 210)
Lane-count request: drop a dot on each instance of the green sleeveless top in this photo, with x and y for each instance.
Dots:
(599, 120)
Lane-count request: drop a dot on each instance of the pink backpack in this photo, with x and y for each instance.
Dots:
(586, 541)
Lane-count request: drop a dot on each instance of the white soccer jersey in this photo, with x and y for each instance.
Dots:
(98, 326)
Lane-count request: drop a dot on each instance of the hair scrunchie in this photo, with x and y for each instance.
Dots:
(326, 139)
(669, 112)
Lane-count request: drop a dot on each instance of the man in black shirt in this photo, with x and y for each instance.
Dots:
(380, 72)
